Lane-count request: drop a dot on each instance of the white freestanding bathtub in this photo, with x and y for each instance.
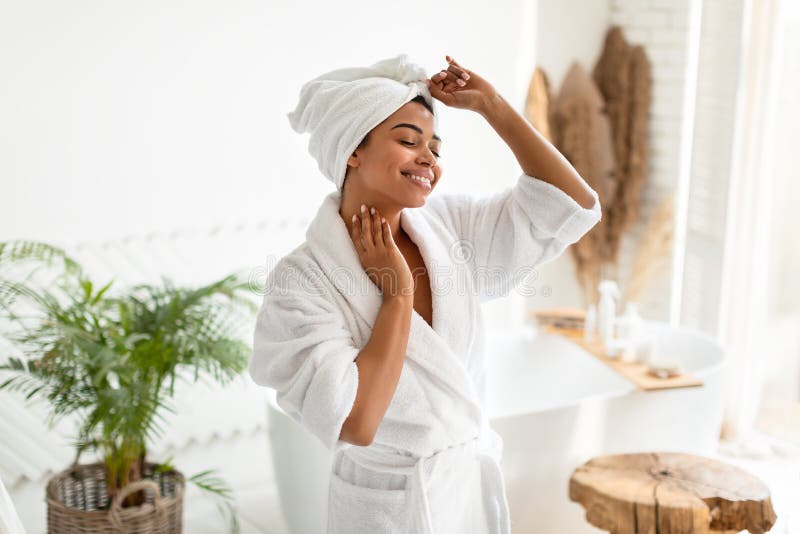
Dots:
(555, 406)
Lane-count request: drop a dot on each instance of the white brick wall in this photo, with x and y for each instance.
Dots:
(694, 50)
(666, 28)
(662, 27)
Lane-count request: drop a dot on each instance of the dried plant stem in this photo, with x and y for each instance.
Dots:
(654, 248)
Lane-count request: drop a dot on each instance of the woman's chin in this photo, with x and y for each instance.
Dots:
(418, 202)
(415, 197)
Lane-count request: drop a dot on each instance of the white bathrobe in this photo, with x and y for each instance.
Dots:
(433, 466)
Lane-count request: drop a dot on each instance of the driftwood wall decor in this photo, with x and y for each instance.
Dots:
(623, 76)
(537, 104)
(653, 250)
(583, 133)
(599, 123)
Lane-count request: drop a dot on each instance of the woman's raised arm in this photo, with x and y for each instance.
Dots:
(462, 88)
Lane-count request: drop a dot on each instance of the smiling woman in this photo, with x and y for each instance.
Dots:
(384, 363)
(396, 166)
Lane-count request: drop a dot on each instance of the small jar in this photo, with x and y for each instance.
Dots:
(645, 350)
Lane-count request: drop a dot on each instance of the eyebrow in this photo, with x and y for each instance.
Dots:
(415, 128)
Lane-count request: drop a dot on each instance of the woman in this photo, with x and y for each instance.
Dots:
(371, 331)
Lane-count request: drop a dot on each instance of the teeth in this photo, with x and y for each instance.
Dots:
(418, 178)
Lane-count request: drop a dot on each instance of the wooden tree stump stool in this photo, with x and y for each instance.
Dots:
(670, 493)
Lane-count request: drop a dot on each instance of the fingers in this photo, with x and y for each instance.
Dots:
(355, 235)
(385, 232)
(459, 70)
(370, 231)
(388, 238)
(448, 82)
(437, 90)
(377, 230)
(442, 87)
(451, 76)
(453, 73)
(452, 61)
(366, 229)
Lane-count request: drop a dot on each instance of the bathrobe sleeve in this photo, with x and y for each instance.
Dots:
(507, 234)
(303, 350)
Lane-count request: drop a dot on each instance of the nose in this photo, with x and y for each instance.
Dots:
(428, 156)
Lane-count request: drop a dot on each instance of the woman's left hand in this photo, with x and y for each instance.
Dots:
(473, 94)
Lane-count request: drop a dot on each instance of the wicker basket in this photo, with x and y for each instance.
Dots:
(77, 501)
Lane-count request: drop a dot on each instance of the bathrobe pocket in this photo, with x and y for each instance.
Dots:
(355, 509)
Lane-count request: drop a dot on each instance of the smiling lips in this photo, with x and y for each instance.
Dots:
(419, 181)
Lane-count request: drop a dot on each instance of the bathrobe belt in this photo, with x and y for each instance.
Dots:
(419, 470)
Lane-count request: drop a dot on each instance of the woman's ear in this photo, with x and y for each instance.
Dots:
(353, 160)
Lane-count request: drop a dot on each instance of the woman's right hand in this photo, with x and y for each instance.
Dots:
(382, 260)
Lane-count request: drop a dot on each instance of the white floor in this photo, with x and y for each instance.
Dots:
(244, 463)
(260, 511)
(242, 460)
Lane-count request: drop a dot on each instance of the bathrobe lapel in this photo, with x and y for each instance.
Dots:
(436, 350)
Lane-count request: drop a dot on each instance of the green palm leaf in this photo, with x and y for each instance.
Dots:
(112, 357)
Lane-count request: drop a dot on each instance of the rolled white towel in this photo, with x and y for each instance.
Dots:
(339, 108)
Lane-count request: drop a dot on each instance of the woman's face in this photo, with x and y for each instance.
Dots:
(401, 146)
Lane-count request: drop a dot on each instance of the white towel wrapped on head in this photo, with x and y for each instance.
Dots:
(339, 108)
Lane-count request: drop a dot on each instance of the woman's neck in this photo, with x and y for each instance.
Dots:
(351, 205)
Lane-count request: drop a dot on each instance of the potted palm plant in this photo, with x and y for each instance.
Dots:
(112, 358)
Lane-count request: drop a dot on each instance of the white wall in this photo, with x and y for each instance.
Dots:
(576, 30)
(131, 118)
(134, 117)
(123, 118)
(567, 31)
(665, 28)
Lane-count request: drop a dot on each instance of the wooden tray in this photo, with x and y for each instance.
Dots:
(635, 372)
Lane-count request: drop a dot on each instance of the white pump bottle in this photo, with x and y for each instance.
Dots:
(607, 310)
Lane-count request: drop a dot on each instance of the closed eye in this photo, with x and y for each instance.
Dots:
(408, 143)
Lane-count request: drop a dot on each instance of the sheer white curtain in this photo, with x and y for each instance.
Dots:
(779, 412)
(744, 315)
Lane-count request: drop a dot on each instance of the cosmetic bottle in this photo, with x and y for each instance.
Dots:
(590, 323)
(607, 310)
